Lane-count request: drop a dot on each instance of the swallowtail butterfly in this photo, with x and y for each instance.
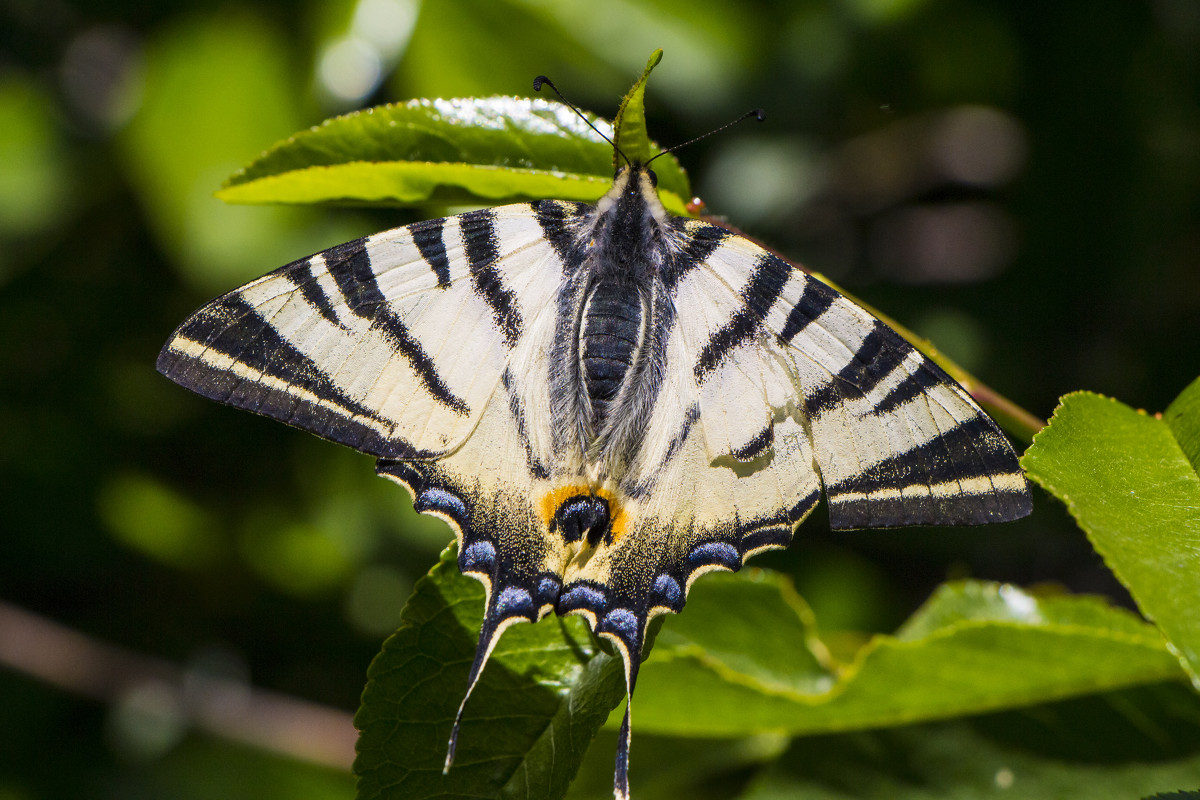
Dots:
(603, 401)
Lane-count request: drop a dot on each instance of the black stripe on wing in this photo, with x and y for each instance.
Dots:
(912, 386)
(814, 301)
(559, 221)
(305, 396)
(355, 277)
(700, 241)
(758, 444)
(303, 275)
(879, 354)
(769, 277)
(931, 483)
(428, 237)
(974, 449)
(536, 468)
(931, 509)
(483, 248)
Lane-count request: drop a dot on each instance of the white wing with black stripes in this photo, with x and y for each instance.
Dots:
(603, 401)
(896, 441)
(392, 344)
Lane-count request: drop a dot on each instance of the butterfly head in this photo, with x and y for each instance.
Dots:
(633, 199)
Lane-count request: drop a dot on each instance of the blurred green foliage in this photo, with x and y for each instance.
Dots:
(1018, 181)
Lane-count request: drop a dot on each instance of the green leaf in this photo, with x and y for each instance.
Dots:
(546, 691)
(973, 647)
(631, 137)
(714, 629)
(1183, 416)
(474, 151)
(1117, 746)
(1127, 480)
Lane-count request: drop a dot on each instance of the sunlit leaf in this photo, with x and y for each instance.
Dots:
(973, 647)
(545, 693)
(1126, 478)
(484, 151)
(754, 626)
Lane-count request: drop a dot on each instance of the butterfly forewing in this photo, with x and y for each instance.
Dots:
(896, 440)
(392, 344)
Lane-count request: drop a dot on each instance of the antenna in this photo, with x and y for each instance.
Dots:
(537, 87)
(757, 113)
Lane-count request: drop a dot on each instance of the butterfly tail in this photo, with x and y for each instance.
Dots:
(621, 776)
(628, 632)
(494, 624)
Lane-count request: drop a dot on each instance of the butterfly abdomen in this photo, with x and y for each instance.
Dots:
(610, 337)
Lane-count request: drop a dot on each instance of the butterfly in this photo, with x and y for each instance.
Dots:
(603, 401)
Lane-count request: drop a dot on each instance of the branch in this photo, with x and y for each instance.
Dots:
(72, 661)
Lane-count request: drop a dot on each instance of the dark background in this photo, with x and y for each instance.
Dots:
(1018, 181)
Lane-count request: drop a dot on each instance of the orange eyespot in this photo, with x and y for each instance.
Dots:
(550, 502)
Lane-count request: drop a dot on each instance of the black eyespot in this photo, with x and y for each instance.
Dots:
(583, 515)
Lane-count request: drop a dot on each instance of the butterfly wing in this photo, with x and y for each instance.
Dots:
(896, 440)
(788, 376)
(426, 345)
(392, 344)
(893, 439)
(776, 387)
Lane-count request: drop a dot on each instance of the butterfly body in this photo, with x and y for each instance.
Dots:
(604, 401)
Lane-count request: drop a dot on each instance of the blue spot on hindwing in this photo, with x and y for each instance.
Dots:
(582, 596)
(668, 591)
(515, 602)
(436, 498)
(720, 553)
(548, 588)
(477, 557)
(622, 622)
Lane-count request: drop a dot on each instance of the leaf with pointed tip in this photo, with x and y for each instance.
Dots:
(973, 647)
(472, 151)
(1129, 479)
(631, 137)
(545, 693)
